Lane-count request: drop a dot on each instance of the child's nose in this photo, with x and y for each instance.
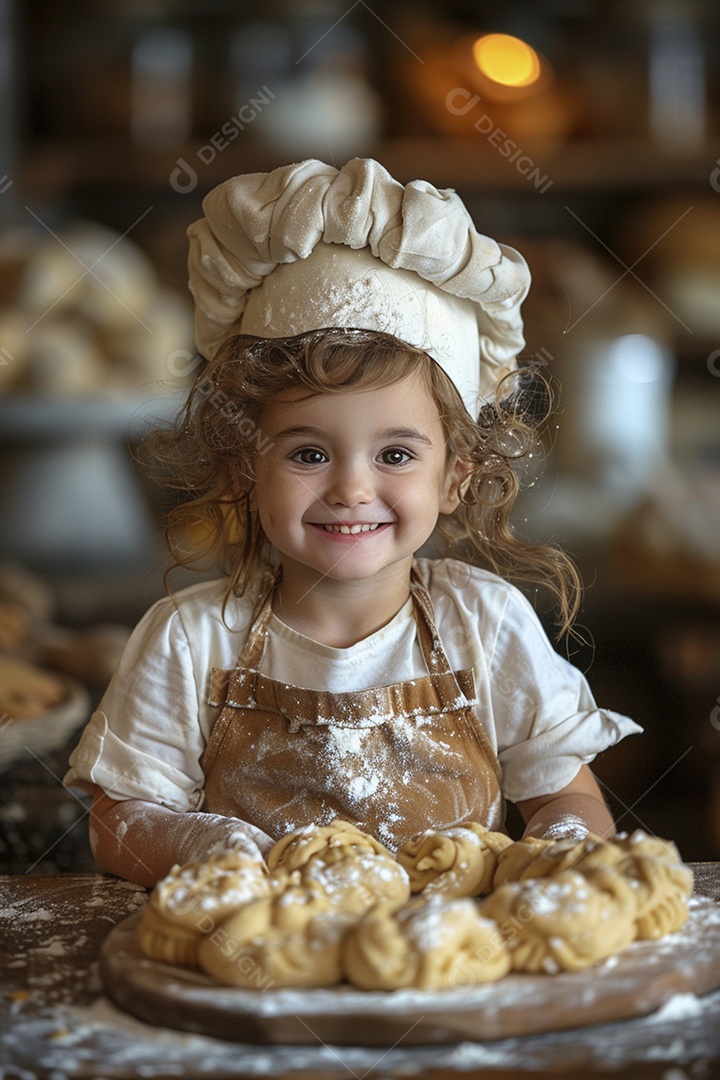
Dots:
(350, 486)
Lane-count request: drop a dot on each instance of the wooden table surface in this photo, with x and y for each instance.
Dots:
(56, 1022)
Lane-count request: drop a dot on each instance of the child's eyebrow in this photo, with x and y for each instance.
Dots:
(301, 431)
(406, 433)
(307, 431)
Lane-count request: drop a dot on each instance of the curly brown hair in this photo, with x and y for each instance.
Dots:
(209, 456)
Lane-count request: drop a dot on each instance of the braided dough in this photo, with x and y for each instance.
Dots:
(563, 922)
(455, 862)
(167, 942)
(432, 944)
(192, 899)
(336, 904)
(663, 885)
(355, 880)
(214, 887)
(651, 868)
(291, 938)
(516, 858)
(293, 850)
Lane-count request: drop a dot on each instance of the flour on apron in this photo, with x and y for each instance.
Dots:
(393, 759)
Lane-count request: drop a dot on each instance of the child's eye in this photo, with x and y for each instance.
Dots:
(308, 455)
(395, 455)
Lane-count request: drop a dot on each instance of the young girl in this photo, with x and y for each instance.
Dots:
(356, 334)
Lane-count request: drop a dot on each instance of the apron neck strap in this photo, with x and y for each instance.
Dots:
(432, 649)
(433, 652)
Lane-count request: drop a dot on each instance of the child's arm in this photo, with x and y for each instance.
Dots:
(574, 809)
(141, 841)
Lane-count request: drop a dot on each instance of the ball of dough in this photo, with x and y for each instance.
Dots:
(433, 944)
(289, 939)
(459, 861)
(559, 923)
(198, 895)
(356, 880)
(294, 849)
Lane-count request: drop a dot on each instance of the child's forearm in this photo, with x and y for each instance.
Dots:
(571, 815)
(141, 841)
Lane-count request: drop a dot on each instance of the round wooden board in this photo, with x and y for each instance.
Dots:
(637, 981)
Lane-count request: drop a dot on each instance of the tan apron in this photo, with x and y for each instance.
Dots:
(393, 759)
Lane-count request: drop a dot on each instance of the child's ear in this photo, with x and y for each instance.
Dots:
(456, 480)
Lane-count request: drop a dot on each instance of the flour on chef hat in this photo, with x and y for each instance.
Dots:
(308, 246)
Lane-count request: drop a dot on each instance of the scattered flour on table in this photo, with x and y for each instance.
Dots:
(67, 1043)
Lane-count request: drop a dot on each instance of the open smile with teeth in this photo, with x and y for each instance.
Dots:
(351, 530)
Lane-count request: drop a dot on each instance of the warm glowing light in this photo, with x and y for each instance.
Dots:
(506, 60)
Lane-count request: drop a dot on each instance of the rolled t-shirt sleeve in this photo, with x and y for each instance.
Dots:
(547, 721)
(145, 740)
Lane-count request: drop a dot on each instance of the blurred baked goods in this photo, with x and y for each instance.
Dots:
(46, 669)
(669, 543)
(83, 315)
(26, 690)
(28, 631)
(89, 654)
(14, 624)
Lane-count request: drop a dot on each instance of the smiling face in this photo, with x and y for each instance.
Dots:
(353, 482)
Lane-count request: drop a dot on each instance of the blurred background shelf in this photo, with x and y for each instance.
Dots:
(467, 164)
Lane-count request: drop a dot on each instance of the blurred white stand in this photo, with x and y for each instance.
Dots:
(615, 423)
(70, 496)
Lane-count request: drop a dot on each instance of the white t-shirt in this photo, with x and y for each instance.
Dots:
(147, 736)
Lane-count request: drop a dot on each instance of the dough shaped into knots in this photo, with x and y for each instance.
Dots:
(215, 887)
(516, 857)
(289, 939)
(433, 944)
(355, 880)
(458, 861)
(662, 884)
(192, 899)
(641, 844)
(539, 858)
(588, 856)
(166, 942)
(293, 850)
(563, 922)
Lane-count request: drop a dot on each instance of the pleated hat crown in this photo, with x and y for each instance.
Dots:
(308, 246)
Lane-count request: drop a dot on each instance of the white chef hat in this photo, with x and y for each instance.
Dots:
(307, 246)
